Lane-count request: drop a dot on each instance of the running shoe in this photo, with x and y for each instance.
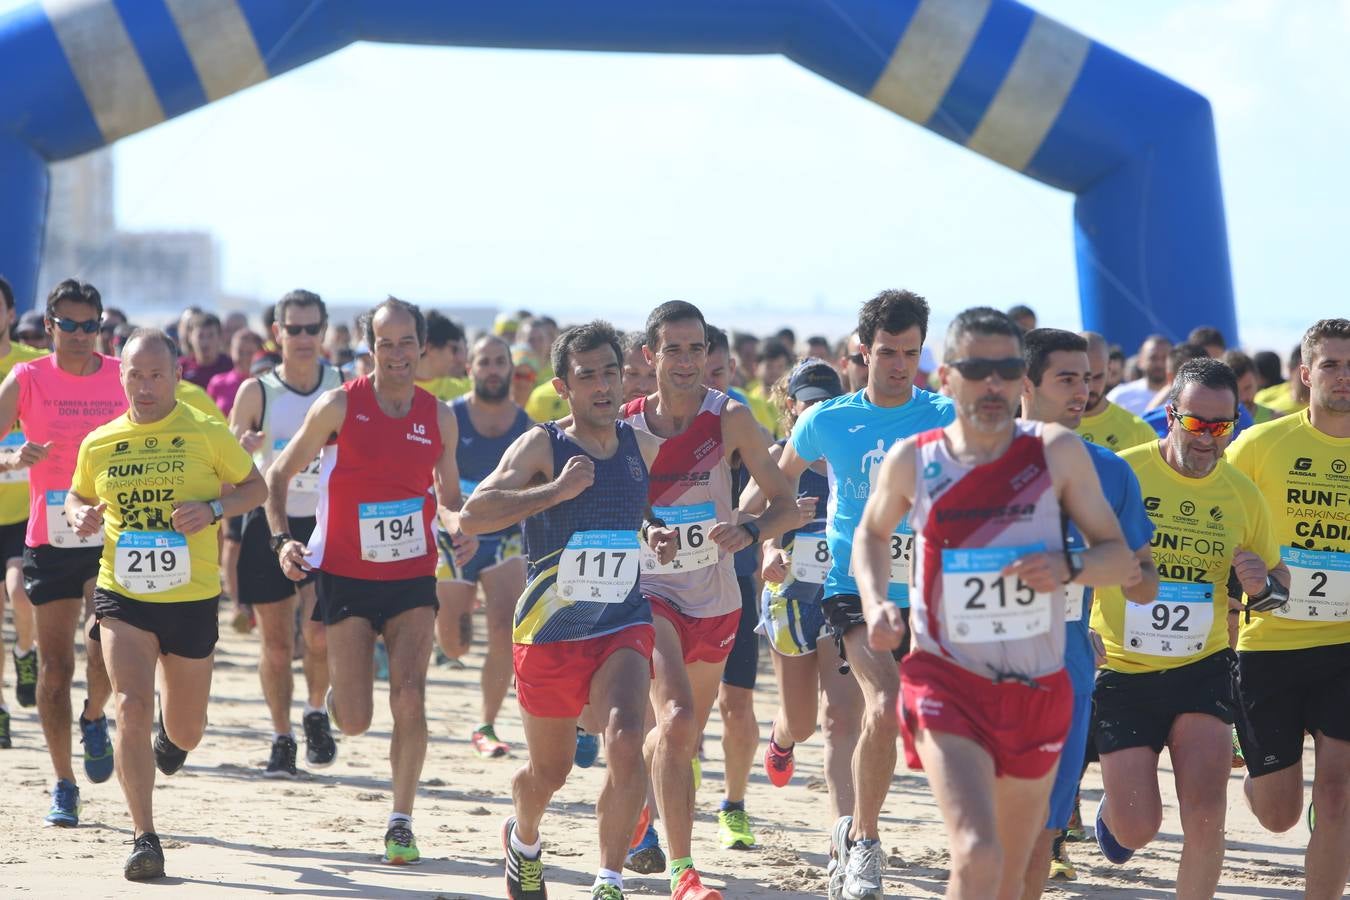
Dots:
(606, 892)
(1312, 818)
(25, 678)
(778, 764)
(146, 860)
(839, 851)
(65, 811)
(647, 857)
(524, 876)
(733, 829)
(400, 848)
(242, 621)
(169, 757)
(588, 749)
(486, 744)
(698, 774)
(1239, 761)
(690, 887)
(6, 742)
(1061, 866)
(862, 875)
(1075, 832)
(281, 764)
(98, 751)
(381, 661)
(1110, 847)
(320, 748)
(643, 823)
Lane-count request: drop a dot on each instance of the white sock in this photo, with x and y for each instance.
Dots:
(278, 735)
(608, 876)
(397, 817)
(313, 709)
(529, 850)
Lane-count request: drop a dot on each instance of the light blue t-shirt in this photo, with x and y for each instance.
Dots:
(852, 435)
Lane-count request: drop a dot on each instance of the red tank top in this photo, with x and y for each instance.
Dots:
(375, 503)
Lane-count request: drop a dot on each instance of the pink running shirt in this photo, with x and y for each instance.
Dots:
(57, 406)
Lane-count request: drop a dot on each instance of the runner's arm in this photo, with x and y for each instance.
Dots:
(9, 414)
(889, 502)
(521, 486)
(323, 420)
(744, 436)
(83, 514)
(246, 414)
(1145, 590)
(1107, 561)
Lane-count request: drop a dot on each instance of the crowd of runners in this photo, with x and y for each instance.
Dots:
(1008, 552)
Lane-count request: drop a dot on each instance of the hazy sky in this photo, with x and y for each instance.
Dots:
(585, 183)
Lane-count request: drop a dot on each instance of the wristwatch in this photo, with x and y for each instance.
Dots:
(217, 511)
(279, 541)
(753, 530)
(1074, 558)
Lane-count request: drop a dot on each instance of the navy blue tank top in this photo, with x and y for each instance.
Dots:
(811, 484)
(608, 514)
(477, 456)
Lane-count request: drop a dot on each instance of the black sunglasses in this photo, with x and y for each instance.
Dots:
(978, 368)
(310, 330)
(70, 326)
(857, 359)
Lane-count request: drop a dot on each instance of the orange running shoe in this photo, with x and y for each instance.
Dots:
(690, 887)
(778, 764)
(644, 819)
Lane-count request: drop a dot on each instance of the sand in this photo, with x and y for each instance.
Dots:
(228, 831)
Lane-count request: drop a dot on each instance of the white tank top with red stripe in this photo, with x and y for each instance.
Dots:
(690, 489)
(969, 522)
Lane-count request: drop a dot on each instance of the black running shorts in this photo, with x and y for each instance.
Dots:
(260, 577)
(1138, 709)
(188, 628)
(375, 601)
(58, 573)
(1287, 693)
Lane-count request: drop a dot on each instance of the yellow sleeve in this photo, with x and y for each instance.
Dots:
(198, 399)
(83, 482)
(1140, 432)
(1260, 536)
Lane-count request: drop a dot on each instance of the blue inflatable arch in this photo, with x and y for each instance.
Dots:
(1137, 149)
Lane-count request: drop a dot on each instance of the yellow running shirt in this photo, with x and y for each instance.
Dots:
(545, 405)
(448, 388)
(1278, 398)
(14, 485)
(1116, 429)
(194, 396)
(1200, 523)
(142, 472)
(1303, 475)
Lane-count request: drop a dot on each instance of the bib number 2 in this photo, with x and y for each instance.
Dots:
(1319, 585)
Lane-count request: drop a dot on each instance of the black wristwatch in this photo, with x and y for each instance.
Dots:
(279, 541)
(753, 530)
(1074, 560)
(217, 511)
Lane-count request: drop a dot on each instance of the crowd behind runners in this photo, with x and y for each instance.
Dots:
(1012, 550)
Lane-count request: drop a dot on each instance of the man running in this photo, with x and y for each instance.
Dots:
(13, 525)
(1057, 388)
(986, 704)
(1104, 423)
(852, 434)
(1294, 660)
(1168, 677)
(267, 413)
(373, 545)
(150, 480)
(489, 422)
(583, 631)
(60, 399)
(696, 603)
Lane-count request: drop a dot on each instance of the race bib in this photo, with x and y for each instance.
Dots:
(695, 550)
(306, 481)
(1075, 600)
(982, 605)
(150, 562)
(598, 566)
(902, 549)
(811, 558)
(13, 441)
(1319, 585)
(392, 531)
(1176, 624)
(59, 532)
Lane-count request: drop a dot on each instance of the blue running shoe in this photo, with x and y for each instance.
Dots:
(381, 661)
(1110, 847)
(588, 749)
(647, 858)
(65, 811)
(98, 751)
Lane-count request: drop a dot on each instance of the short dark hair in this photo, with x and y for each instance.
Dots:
(1117, 353)
(1039, 343)
(7, 292)
(393, 303)
(581, 339)
(982, 320)
(441, 330)
(740, 338)
(716, 339)
(74, 292)
(1206, 336)
(1320, 331)
(297, 297)
(202, 320)
(1184, 352)
(670, 311)
(151, 336)
(786, 335)
(1239, 362)
(631, 340)
(1021, 309)
(772, 349)
(818, 340)
(893, 311)
(1206, 372)
(1268, 366)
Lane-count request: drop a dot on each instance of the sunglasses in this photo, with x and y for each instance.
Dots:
(70, 326)
(857, 359)
(311, 330)
(978, 368)
(1196, 425)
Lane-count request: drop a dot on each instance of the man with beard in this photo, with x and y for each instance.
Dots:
(489, 422)
(1104, 423)
(1168, 675)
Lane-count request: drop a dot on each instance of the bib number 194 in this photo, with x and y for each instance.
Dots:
(392, 531)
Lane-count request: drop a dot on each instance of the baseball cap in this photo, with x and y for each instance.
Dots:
(814, 379)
